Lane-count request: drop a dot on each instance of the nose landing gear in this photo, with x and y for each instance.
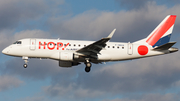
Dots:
(26, 61)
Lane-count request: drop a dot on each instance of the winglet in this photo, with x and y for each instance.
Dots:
(111, 34)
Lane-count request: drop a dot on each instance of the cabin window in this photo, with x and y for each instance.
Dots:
(108, 46)
(112, 46)
(60, 44)
(79, 45)
(69, 44)
(74, 45)
(118, 47)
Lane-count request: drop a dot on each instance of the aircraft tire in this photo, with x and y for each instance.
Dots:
(88, 69)
(25, 65)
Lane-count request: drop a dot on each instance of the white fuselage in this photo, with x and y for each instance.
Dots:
(51, 48)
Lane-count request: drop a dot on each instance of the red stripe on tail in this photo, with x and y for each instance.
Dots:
(161, 30)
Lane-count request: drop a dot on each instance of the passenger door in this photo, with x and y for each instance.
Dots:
(32, 44)
(130, 48)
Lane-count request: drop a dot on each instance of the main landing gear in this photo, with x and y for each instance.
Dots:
(88, 66)
(26, 61)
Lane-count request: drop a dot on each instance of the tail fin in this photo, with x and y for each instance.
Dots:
(162, 33)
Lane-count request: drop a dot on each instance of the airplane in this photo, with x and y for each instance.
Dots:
(74, 52)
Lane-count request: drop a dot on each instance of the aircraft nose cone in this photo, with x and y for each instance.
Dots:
(5, 51)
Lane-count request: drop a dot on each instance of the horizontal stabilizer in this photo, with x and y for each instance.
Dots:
(165, 46)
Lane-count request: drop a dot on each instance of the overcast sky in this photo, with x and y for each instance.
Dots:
(149, 79)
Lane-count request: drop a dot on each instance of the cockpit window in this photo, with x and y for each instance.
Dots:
(18, 42)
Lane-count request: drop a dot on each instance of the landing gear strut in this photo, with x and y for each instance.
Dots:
(88, 66)
(26, 61)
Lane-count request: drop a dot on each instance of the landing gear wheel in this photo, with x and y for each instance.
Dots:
(88, 69)
(25, 65)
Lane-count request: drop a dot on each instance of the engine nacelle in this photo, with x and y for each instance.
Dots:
(67, 56)
(67, 63)
(66, 59)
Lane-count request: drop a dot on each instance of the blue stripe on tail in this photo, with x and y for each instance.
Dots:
(163, 40)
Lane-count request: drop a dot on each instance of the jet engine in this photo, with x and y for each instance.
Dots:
(66, 59)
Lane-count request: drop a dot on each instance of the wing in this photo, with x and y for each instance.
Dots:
(93, 49)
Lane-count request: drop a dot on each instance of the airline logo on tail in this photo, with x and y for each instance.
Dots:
(161, 35)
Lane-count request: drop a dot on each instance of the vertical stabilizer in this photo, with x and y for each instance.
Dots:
(162, 33)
